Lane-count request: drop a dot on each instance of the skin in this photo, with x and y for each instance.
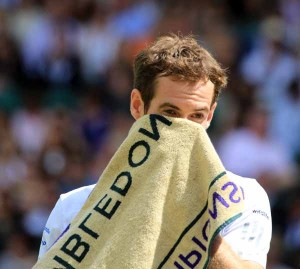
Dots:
(180, 99)
(192, 101)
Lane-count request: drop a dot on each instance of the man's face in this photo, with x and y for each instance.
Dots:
(178, 99)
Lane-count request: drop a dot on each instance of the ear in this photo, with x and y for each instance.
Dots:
(211, 114)
(136, 104)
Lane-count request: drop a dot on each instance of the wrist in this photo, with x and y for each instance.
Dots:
(215, 245)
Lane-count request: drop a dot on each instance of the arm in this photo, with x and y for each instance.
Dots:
(223, 257)
(245, 242)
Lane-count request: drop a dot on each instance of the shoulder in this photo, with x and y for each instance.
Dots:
(68, 206)
(74, 200)
(250, 235)
(80, 193)
(254, 193)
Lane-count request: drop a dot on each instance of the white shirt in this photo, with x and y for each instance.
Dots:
(249, 236)
(244, 153)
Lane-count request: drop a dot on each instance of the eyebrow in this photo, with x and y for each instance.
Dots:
(177, 108)
(169, 105)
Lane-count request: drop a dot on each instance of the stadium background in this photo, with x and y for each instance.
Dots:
(65, 79)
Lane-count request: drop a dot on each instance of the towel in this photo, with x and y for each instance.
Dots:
(160, 202)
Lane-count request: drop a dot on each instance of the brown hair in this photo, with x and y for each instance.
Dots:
(178, 56)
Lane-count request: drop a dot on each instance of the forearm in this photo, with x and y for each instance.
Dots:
(223, 257)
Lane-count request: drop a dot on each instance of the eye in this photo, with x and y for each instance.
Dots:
(198, 116)
(170, 112)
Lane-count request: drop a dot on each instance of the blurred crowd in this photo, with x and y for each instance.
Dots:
(65, 82)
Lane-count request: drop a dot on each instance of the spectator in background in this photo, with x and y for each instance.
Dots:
(39, 42)
(119, 81)
(96, 121)
(32, 204)
(269, 66)
(276, 253)
(23, 19)
(286, 218)
(10, 73)
(18, 253)
(29, 126)
(292, 234)
(290, 10)
(97, 46)
(53, 155)
(13, 168)
(120, 123)
(285, 122)
(7, 212)
(63, 159)
(250, 152)
(61, 64)
(134, 19)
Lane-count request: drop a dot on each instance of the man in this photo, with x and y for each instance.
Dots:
(176, 77)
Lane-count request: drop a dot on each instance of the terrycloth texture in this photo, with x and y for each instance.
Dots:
(161, 200)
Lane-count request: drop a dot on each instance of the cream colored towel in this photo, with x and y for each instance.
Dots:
(161, 200)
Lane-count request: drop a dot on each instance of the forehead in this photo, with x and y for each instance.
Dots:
(170, 87)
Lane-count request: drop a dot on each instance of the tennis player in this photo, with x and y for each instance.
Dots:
(176, 77)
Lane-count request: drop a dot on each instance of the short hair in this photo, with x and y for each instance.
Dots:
(181, 57)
